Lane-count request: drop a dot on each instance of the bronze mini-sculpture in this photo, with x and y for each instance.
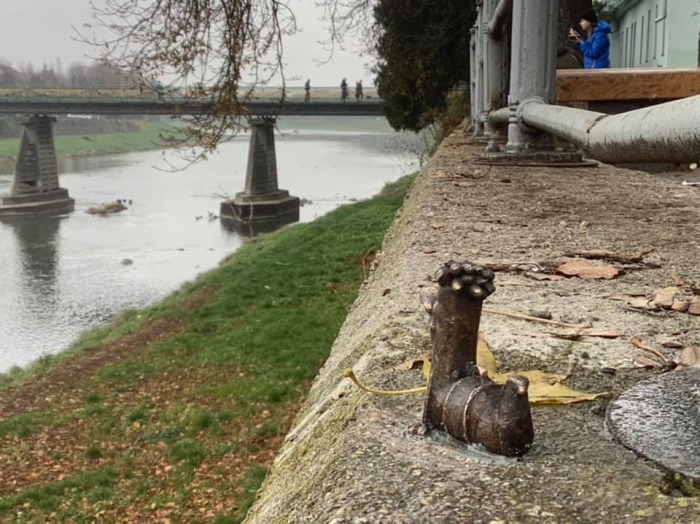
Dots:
(461, 399)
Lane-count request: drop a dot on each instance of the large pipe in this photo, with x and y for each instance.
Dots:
(498, 19)
(662, 133)
(500, 117)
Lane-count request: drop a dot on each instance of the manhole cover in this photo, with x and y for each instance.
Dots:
(660, 420)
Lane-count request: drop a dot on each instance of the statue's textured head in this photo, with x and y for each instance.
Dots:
(474, 279)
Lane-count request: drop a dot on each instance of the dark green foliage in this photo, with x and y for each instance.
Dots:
(423, 49)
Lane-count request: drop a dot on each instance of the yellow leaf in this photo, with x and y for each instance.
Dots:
(427, 366)
(545, 388)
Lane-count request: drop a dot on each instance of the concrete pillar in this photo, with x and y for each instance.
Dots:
(35, 188)
(472, 77)
(533, 74)
(262, 200)
(479, 74)
(494, 74)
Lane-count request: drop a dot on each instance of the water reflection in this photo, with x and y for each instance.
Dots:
(37, 240)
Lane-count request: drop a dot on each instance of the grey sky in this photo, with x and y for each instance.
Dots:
(38, 31)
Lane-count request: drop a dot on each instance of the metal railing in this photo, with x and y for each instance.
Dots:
(116, 94)
(528, 116)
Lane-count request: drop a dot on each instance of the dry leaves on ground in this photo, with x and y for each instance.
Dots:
(588, 270)
(668, 298)
(545, 388)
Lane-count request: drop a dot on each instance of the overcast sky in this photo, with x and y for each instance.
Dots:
(39, 31)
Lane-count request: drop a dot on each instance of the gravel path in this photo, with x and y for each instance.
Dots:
(355, 458)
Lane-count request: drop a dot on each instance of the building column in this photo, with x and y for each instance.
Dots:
(35, 188)
(262, 200)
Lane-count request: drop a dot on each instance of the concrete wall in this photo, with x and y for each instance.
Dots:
(656, 33)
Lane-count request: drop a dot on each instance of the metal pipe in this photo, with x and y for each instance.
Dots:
(498, 19)
(499, 117)
(533, 72)
(662, 133)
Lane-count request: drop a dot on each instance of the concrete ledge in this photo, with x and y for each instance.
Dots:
(40, 203)
(247, 211)
(355, 458)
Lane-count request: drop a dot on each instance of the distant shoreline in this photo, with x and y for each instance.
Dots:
(74, 146)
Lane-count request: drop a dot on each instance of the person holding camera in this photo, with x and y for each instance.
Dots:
(596, 44)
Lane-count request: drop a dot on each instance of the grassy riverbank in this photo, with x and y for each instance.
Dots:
(173, 414)
(148, 138)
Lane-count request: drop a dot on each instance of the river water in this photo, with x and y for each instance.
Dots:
(61, 275)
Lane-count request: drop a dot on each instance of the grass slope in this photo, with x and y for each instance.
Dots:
(78, 145)
(174, 413)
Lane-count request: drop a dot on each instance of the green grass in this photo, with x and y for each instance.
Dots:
(226, 384)
(88, 145)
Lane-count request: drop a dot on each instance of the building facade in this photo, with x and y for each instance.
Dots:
(655, 33)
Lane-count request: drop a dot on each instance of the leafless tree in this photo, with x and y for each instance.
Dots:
(214, 49)
(348, 20)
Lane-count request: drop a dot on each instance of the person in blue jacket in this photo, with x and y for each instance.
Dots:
(596, 46)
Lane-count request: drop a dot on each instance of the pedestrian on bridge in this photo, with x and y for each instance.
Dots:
(344, 90)
(596, 46)
(358, 91)
(307, 90)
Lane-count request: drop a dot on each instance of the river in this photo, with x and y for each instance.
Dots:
(62, 275)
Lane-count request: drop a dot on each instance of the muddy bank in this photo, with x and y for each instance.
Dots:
(351, 457)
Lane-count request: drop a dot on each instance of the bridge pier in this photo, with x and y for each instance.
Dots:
(35, 187)
(262, 201)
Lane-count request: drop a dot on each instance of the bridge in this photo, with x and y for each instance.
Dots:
(36, 186)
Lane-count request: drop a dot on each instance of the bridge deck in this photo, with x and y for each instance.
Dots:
(149, 106)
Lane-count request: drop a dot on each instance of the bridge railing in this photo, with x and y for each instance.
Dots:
(135, 94)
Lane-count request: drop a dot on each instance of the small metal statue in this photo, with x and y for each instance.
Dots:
(461, 399)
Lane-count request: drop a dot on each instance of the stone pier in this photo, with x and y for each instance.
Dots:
(35, 188)
(262, 201)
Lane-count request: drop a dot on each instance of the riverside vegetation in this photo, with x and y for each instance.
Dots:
(174, 413)
(150, 136)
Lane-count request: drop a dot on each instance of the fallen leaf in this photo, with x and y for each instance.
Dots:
(545, 388)
(422, 363)
(664, 297)
(644, 362)
(669, 342)
(690, 357)
(543, 276)
(639, 303)
(437, 226)
(409, 365)
(694, 307)
(587, 270)
(429, 250)
(576, 334)
(638, 344)
(679, 305)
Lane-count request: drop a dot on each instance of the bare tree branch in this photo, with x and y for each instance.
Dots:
(204, 49)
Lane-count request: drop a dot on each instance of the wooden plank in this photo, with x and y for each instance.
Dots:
(585, 85)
